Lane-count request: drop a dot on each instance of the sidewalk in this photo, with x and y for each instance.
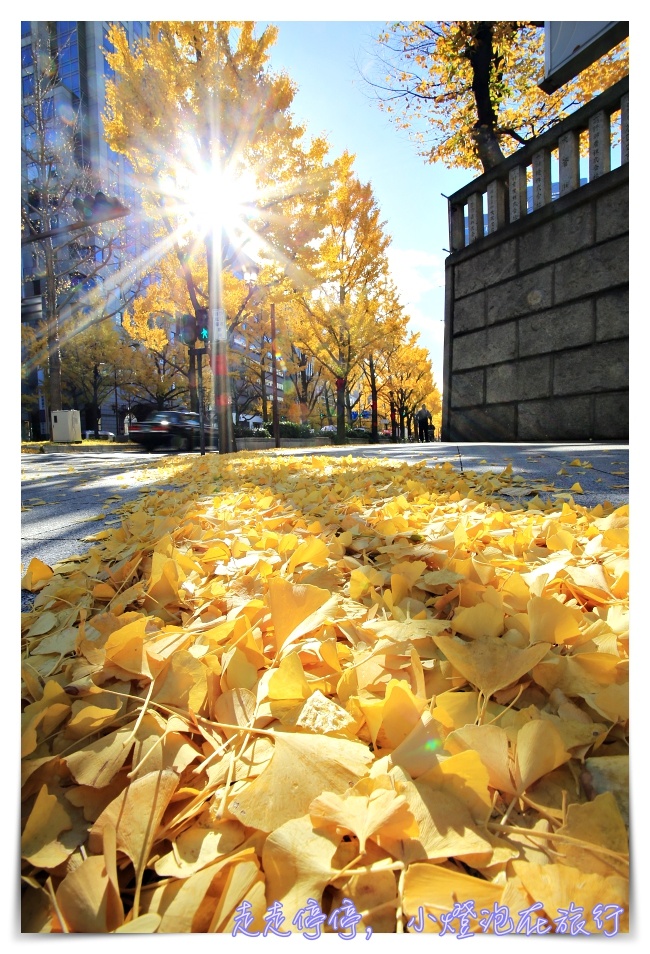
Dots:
(601, 470)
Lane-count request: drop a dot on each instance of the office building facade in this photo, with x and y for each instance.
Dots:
(65, 113)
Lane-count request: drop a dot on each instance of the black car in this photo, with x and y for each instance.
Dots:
(176, 430)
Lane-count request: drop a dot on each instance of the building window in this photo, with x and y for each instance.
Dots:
(26, 56)
(108, 46)
(28, 85)
(25, 27)
(68, 55)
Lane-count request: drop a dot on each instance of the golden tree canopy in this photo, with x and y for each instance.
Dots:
(207, 129)
(468, 90)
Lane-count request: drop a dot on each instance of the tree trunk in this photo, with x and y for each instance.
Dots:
(265, 399)
(374, 422)
(304, 396)
(340, 410)
(328, 409)
(52, 317)
(393, 418)
(482, 57)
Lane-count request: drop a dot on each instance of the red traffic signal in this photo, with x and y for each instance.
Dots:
(99, 208)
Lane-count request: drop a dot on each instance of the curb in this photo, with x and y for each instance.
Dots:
(108, 448)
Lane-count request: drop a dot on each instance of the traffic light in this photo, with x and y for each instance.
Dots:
(202, 325)
(99, 208)
(191, 329)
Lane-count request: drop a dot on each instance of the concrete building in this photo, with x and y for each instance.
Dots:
(537, 282)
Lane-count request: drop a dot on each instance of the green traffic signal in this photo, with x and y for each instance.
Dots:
(202, 326)
(191, 328)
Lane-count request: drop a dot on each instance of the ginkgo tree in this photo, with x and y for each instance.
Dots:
(341, 316)
(468, 90)
(408, 383)
(376, 364)
(219, 162)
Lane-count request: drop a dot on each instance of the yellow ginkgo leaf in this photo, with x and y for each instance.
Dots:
(288, 681)
(135, 815)
(47, 819)
(419, 750)
(444, 827)
(401, 712)
(551, 621)
(313, 550)
(302, 767)
(464, 776)
(145, 924)
(369, 811)
(611, 773)
(490, 742)
(592, 825)
(297, 860)
(539, 749)
(36, 576)
(293, 605)
(83, 898)
(184, 905)
(555, 883)
(480, 620)
(98, 762)
(197, 847)
(437, 890)
(489, 663)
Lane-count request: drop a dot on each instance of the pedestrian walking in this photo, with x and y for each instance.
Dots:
(423, 417)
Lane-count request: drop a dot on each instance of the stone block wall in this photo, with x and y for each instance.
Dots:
(536, 324)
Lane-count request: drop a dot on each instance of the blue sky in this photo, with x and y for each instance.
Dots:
(326, 60)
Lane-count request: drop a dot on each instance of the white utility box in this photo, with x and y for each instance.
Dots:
(66, 426)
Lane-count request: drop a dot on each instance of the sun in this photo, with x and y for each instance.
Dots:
(212, 198)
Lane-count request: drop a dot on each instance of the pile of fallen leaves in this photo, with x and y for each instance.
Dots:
(289, 685)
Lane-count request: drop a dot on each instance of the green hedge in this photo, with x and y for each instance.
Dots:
(291, 429)
(241, 431)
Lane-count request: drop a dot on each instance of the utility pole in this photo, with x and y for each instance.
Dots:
(274, 370)
(199, 352)
(219, 344)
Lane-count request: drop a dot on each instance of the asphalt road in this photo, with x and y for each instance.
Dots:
(65, 494)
